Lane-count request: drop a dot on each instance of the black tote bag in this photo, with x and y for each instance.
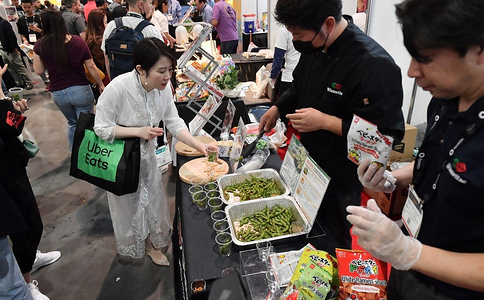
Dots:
(113, 167)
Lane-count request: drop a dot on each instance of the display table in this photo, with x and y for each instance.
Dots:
(194, 248)
(248, 67)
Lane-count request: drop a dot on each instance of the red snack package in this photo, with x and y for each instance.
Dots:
(361, 276)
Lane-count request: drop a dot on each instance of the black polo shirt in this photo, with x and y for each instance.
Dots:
(453, 212)
(355, 76)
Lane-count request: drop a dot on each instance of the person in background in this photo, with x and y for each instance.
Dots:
(341, 72)
(114, 4)
(224, 19)
(30, 30)
(445, 258)
(64, 56)
(19, 198)
(119, 11)
(284, 51)
(174, 13)
(161, 7)
(90, 5)
(103, 6)
(38, 6)
(10, 52)
(50, 5)
(94, 38)
(20, 10)
(211, 3)
(203, 13)
(133, 105)
(74, 22)
(138, 10)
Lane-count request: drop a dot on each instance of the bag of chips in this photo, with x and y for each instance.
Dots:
(365, 141)
(361, 276)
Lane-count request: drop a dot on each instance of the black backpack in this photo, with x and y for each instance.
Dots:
(120, 46)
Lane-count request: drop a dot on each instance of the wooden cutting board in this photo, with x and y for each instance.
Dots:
(196, 169)
(185, 150)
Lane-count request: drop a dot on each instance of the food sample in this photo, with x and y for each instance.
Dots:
(252, 188)
(270, 222)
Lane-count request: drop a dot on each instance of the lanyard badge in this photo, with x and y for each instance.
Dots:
(412, 214)
(163, 153)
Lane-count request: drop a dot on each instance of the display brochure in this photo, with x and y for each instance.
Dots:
(307, 181)
(28, 50)
(284, 263)
(199, 78)
(12, 15)
(293, 162)
(239, 139)
(205, 113)
(195, 45)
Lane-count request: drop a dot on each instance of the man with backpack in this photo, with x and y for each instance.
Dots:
(120, 38)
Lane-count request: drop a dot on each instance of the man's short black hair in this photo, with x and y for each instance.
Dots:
(26, 2)
(307, 14)
(434, 24)
(69, 3)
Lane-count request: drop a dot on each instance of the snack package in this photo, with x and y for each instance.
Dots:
(365, 141)
(362, 276)
(315, 277)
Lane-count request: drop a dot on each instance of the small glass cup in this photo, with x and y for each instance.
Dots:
(195, 188)
(221, 226)
(16, 93)
(272, 283)
(198, 285)
(224, 243)
(215, 204)
(200, 199)
(218, 215)
(211, 186)
(212, 155)
(263, 249)
(213, 194)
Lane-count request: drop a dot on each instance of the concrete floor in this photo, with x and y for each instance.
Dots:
(77, 222)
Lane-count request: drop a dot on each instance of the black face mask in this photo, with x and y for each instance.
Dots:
(307, 47)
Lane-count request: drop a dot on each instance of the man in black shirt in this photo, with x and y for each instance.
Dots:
(341, 72)
(11, 55)
(20, 11)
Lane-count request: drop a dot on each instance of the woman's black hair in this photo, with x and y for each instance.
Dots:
(307, 14)
(160, 4)
(54, 33)
(434, 24)
(148, 51)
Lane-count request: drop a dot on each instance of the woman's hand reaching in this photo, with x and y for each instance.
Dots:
(149, 133)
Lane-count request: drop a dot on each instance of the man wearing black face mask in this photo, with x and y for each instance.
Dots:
(341, 72)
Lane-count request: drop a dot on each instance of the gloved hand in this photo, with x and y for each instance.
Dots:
(374, 177)
(382, 237)
(272, 82)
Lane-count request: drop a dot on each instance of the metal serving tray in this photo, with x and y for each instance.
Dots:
(237, 212)
(230, 179)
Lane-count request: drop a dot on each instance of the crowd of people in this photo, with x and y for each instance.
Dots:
(335, 71)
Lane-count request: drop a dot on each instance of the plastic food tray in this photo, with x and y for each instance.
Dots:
(237, 212)
(230, 179)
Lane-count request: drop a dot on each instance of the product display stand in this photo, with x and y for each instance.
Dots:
(204, 112)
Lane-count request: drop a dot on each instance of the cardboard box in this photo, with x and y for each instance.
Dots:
(390, 204)
(404, 150)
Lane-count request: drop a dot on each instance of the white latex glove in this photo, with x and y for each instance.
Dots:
(272, 82)
(382, 237)
(376, 178)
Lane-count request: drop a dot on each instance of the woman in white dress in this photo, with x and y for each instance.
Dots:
(133, 105)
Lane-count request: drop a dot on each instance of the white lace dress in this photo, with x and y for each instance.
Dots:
(134, 216)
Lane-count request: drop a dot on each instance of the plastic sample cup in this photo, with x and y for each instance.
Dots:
(224, 243)
(272, 283)
(195, 188)
(213, 194)
(215, 204)
(211, 186)
(212, 155)
(16, 93)
(198, 285)
(263, 250)
(218, 215)
(220, 226)
(200, 199)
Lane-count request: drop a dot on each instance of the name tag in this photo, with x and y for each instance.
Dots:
(32, 38)
(170, 17)
(412, 214)
(163, 156)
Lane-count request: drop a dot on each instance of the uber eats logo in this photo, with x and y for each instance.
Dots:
(99, 158)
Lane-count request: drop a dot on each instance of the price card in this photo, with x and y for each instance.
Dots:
(412, 214)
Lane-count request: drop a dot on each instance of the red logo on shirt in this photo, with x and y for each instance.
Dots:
(14, 119)
(459, 167)
(336, 86)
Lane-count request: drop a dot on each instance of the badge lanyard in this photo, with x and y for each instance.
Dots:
(412, 214)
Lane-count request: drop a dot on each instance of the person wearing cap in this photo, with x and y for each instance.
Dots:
(442, 257)
(341, 72)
